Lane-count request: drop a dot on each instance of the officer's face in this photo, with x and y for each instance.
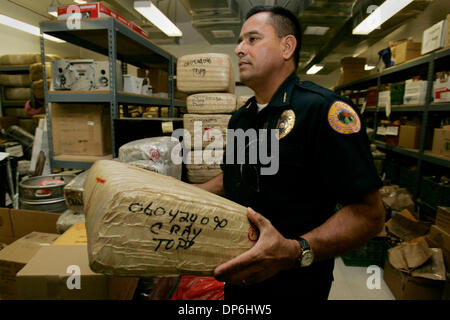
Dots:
(259, 50)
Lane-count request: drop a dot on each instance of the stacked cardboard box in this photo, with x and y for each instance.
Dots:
(352, 69)
(405, 50)
(60, 270)
(15, 256)
(441, 141)
(442, 87)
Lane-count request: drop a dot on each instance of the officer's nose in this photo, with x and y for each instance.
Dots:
(239, 50)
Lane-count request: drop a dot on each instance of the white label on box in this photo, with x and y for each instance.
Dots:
(381, 131)
(391, 131)
(434, 37)
(91, 123)
(15, 151)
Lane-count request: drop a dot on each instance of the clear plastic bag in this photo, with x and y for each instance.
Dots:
(152, 154)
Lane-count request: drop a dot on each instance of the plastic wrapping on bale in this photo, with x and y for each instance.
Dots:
(205, 72)
(36, 71)
(73, 192)
(17, 93)
(152, 154)
(15, 80)
(67, 219)
(143, 224)
(204, 165)
(207, 103)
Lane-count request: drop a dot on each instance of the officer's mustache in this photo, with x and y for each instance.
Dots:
(244, 61)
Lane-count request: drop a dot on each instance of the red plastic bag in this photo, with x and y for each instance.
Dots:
(199, 288)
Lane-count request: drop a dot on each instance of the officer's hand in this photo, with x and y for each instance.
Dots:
(271, 254)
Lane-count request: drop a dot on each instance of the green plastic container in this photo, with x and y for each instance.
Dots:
(397, 93)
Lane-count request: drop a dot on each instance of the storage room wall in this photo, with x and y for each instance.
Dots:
(15, 41)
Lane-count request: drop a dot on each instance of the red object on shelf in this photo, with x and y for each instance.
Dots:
(199, 288)
(98, 10)
(371, 97)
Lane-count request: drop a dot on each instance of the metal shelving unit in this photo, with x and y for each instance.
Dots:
(116, 41)
(426, 65)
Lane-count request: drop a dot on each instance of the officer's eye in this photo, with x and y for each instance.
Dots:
(252, 39)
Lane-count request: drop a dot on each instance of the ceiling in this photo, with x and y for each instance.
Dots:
(220, 21)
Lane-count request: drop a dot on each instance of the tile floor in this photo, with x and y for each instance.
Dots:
(350, 283)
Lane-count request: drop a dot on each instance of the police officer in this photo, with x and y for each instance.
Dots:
(324, 163)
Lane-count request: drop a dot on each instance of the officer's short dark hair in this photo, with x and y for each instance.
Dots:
(285, 22)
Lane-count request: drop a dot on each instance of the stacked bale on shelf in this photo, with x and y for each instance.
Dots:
(18, 85)
(22, 86)
(37, 76)
(209, 78)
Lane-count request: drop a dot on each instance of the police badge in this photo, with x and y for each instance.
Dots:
(286, 123)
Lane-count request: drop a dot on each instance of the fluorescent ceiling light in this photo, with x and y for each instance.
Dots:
(316, 31)
(80, 1)
(22, 26)
(152, 13)
(368, 67)
(314, 69)
(53, 11)
(383, 13)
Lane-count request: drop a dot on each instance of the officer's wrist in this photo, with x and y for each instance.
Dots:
(296, 253)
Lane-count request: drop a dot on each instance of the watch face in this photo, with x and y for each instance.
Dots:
(307, 258)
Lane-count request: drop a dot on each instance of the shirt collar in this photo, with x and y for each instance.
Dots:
(282, 96)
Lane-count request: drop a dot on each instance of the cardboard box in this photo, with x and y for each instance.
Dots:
(441, 89)
(406, 287)
(15, 256)
(75, 235)
(348, 76)
(409, 137)
(405, 50)
(415, 92)
(441, 142)
(15, 223)
(439, 237)
(6, 229)
(445, 253)
(83, 129)
(350, 63)
(436, 37)
(61, 272)
(443, 218)
(447, 34)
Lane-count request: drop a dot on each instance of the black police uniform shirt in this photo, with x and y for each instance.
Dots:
(324, 160)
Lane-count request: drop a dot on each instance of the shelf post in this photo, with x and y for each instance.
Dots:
(48, 113)
(112, 57)
(171, 86)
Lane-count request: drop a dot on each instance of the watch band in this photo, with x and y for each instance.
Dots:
(304, 244)
(306, 253)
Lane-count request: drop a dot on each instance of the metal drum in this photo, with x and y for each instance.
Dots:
(44, 193)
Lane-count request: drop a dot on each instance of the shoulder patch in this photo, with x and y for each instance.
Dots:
(343, 118)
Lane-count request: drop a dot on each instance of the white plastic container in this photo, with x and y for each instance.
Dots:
(132, 84)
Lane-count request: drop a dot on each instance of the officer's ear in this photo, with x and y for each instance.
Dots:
(289, 44)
